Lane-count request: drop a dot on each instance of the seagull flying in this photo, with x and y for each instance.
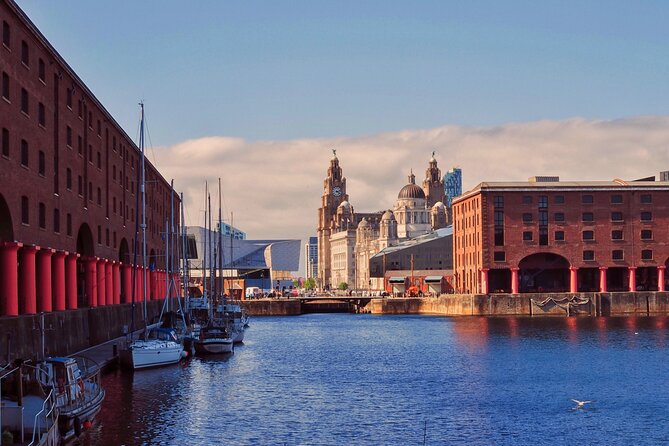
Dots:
(580, 404)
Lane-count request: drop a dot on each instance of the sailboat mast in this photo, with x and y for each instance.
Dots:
(204, 254)
(210, 250)
(220, 238)
(143, 193)
(184, 255)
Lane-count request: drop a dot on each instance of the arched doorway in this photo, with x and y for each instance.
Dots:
(85, 249)
(543, 272)
(6, 227)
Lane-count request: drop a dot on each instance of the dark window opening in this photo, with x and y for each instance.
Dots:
(646, 254)
(499, 256)
(646, 216)
(588, 235)
(5, 142)
(25, 106)
(527, 217)
(587, 199)
(42, 216)
(41, 163)
(56, 221)
(498, 201)
(527, 199)
(25, 53)
(25, 155)
(25, 210)
(616, 234)
(588, 216)
(617, 254)
(646, 198)
(616, 216)
(543, 236)
(527, 236)
(41, 70)
(616, 199)
(588, 255)
(559, 236)
(5, 85)
(646, 234)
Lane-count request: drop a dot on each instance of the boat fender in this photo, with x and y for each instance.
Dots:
(77, 426)
(87, 424)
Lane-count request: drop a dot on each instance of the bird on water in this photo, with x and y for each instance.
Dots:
(580, 404)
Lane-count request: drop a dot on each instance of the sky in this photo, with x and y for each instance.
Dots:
(259, 92)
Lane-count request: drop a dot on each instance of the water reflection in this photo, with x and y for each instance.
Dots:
(362, 379)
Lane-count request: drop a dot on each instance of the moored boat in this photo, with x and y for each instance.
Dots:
(28, 415)
(78, 395)
(214, 340)
(161, 347)
(233, 313)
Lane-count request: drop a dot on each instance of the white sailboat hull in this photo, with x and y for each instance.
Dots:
(145, 354)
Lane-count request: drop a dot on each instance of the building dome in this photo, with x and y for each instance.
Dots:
(388, 215)
(439, 205)
(363, 223)
(345, 204)
(411, 191)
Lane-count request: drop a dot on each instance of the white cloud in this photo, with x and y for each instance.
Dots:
(274, 187)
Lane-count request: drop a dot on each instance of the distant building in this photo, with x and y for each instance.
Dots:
(260, 263)
(231, 231)
(664, 176)
(452, 185)
(311, 257)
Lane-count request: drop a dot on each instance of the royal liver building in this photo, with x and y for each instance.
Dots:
(348, 239)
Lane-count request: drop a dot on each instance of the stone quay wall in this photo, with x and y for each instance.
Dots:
(70, 331)
(598, 304)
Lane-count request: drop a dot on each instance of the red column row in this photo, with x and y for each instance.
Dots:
(35, 279)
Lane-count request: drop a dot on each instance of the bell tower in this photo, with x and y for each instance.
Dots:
(334, 193)
(433, 184)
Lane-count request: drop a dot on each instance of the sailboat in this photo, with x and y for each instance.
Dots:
(216, 335)
(160, 346)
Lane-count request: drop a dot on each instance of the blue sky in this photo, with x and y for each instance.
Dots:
(258, 93)
(283, 70)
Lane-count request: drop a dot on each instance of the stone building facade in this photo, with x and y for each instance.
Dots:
(359, 236)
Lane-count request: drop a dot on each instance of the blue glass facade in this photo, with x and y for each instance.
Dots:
(452, 184)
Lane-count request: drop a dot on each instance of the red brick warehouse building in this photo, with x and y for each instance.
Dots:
(550, 236)
(68, 185)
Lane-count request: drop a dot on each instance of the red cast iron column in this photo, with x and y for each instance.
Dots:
(9, 285)
(71, 281)
(58, 280)
(28, 300)
(44, 289)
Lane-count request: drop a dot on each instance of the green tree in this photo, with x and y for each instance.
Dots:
(343, 286)
(310, 283)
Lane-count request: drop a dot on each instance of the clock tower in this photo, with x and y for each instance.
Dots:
(334, 193)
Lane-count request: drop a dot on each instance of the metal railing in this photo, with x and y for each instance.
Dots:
(50, 413)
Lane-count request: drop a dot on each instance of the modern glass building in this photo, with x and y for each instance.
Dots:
(311, 257)
(453, 184)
